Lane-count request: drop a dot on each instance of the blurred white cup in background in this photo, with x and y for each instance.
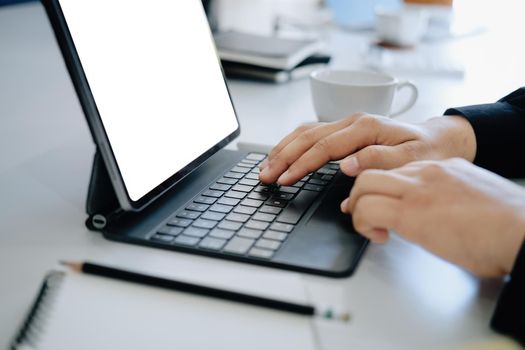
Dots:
(401, 27)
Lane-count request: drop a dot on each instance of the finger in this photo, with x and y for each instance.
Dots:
(286, 140)
(379, 236)
(279, 163)
(365, 131)
(374, 213)
(333, 146)
(379, 182)
(381, 157)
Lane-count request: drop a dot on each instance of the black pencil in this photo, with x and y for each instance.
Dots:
(134, 277)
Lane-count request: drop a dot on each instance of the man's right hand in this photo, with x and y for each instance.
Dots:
(367, 142)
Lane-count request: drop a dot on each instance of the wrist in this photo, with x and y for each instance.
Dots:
(453, 136)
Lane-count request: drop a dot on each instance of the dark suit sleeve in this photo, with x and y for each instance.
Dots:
(500, 137)
(500, 133)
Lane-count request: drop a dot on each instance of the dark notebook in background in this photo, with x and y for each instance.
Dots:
(269, 58)
(300, 71)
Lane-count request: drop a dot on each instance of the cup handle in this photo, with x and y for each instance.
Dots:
(411, 101)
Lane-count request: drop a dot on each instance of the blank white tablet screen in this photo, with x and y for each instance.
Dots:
(153, 72)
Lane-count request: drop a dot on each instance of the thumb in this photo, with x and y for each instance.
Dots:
(375, 157)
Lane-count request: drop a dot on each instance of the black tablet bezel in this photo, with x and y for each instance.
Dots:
(74, 66)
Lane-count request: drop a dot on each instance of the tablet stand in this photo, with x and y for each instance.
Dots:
(101, 202)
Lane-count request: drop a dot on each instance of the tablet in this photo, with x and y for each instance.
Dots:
(151, 86)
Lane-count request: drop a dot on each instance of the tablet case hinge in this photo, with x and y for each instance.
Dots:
(101, 203)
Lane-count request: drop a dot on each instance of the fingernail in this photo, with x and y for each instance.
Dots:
(264, 172)
(350, 166)
(264, 164)
(344, 205)
(283, 177)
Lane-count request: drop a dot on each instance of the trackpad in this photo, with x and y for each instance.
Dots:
(329, 212)
(327, 239)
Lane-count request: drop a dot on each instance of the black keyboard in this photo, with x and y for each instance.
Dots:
(238, 215)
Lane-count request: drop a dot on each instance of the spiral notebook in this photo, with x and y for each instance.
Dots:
(75, 311)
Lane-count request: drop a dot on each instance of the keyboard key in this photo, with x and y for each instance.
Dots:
(263, 189)
(274, 202)
(257, 225)
(278, 226)
(235, 194)
(315, 188)
(252, 203)
(238, 217)
(221, 208)
(195, 232)
(305, 178)
(179, 222)
(277, 236)
(211, 215)
(333, 166)
(213, 193)
(282, 196)
(252, 176)
(249, 182)
(250, 161)
(293, 212)
(270, 210)
(220, 187)
(238, 169)
(172, 231)
(227, 181)
(256, 156)
(212, 243)
(220, 233)
(256, 170)
(288, 189)
(298, 184)
(267, 244)
(318, 182)
(261, 253)
(232, 175)
(186, 240)
(242, 188)
(205, 200)
(197, 207)
(259, 196)
(327, 177)
(249, 233)
(230, 225)
(241, 209)
(264, 217)
(229, 201)
(186, 214)
(204, 223)
(243, 164)
(326, 171)
(159, 237)
(238, 245)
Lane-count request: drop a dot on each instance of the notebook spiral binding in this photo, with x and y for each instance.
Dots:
(33, 325)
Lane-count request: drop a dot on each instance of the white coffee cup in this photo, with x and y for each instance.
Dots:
(339, 93)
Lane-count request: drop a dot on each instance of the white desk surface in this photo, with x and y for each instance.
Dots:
(400, 296)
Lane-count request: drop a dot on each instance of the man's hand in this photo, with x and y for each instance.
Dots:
(366, 142)
(462, 213)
